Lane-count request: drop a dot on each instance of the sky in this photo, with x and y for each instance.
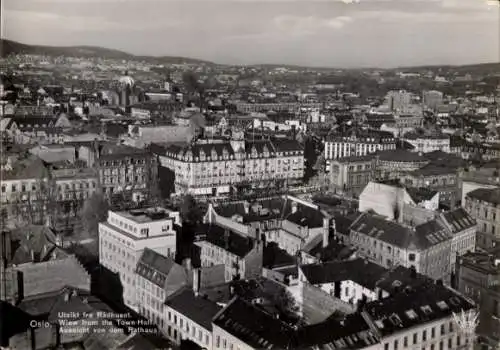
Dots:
(324, 33)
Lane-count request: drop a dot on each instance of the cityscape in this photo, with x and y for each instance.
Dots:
(170, 195)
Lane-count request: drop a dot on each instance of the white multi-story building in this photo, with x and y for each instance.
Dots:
(358, 144)
(399, 101)
(216, 167)
(125, 235)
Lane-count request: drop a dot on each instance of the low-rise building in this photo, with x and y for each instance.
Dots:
(483, 205)
(393, 164)
(351, 173)
(429, 143)
(125, 235)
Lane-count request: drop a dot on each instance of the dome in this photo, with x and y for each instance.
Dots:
(126, 81)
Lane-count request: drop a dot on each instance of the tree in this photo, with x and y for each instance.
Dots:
(285, 302)
(94, 211)
(190, 210)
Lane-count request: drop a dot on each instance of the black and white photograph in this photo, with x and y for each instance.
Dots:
(250, 174)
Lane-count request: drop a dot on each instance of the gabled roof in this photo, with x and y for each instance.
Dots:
(458, 220)
(490, 195)
(154, 267)
(196, 308)
(420, 238)
(362, 272)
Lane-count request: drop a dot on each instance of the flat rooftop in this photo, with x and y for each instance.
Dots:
(142, 216)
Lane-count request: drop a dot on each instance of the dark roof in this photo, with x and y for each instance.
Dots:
(38, 239)
(196, 308)
(154, 267)
(226, 239)
(273, 208)
(400, 277)
(433, 170)
(360, 271)
(353, 333)
(422, 237)
(400, 155)
(459, 220)
(415, 306)
(420, 194)
(490, 195)
(287, 145)
(254, 326)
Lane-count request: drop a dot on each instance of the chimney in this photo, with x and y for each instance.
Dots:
(196, 281)
(326, 231)
(67, 296)
(294, 207)
(32, 255)
(246, 206)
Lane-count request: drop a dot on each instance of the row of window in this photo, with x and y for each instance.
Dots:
(436, 346)
(67, 187)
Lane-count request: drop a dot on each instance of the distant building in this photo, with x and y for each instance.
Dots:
(358, 144)
(428, 143)
(432, 99)
(351, 173)
(393, 164)
(125, 235)
(399, 101)
(483, 204)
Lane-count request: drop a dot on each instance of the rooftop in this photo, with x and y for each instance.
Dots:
(142, 216)
(196, 308)
(154, 267)
(226, 239)
(490, 195)
(360, 271)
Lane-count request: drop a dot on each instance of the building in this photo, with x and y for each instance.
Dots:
(442, 179)
(242, 256)
(289, 221)
(425, 247)
(125, 170)
(483, 204)
(358, 143)
(432, 99)
(294, 107)
(351, 173)
(393, 164)
(478, 276)
(125, 235)
(219, 167)
(399, 101)
(351, 281)
(157, 277)
(189, 317)
(428, 143)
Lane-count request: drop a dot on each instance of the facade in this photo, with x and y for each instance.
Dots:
(125, 235)
(218, 167)
(484, 206)
(478, 276)
(358, 144)
(157, 277)
(432, 99)
(351, 173)
(429, 143)
(276, 107)
(393, 164)
(124, 169)
(425, 247)
(399, 101)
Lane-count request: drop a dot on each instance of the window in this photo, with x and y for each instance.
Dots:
(441, 345)
(433, 332)
(4, 189)
(386, 346)
(450, 343)
(411, 257)
(415, 338)
(442, 329)
(396, 344)
(217, 342)
(458, 340)
(424, 335)
(405, 342)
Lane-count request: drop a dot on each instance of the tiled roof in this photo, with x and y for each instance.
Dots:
(227, 239)
(196, 308)
(415, 306)
(490, 195)
(154, 267)
(360, 271)
(433, 170)
(420, 194)
(422, 237)
(458, 220)
(254, 326)
(400, 155)
(38, 239)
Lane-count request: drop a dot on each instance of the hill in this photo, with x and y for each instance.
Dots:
(8, 47)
